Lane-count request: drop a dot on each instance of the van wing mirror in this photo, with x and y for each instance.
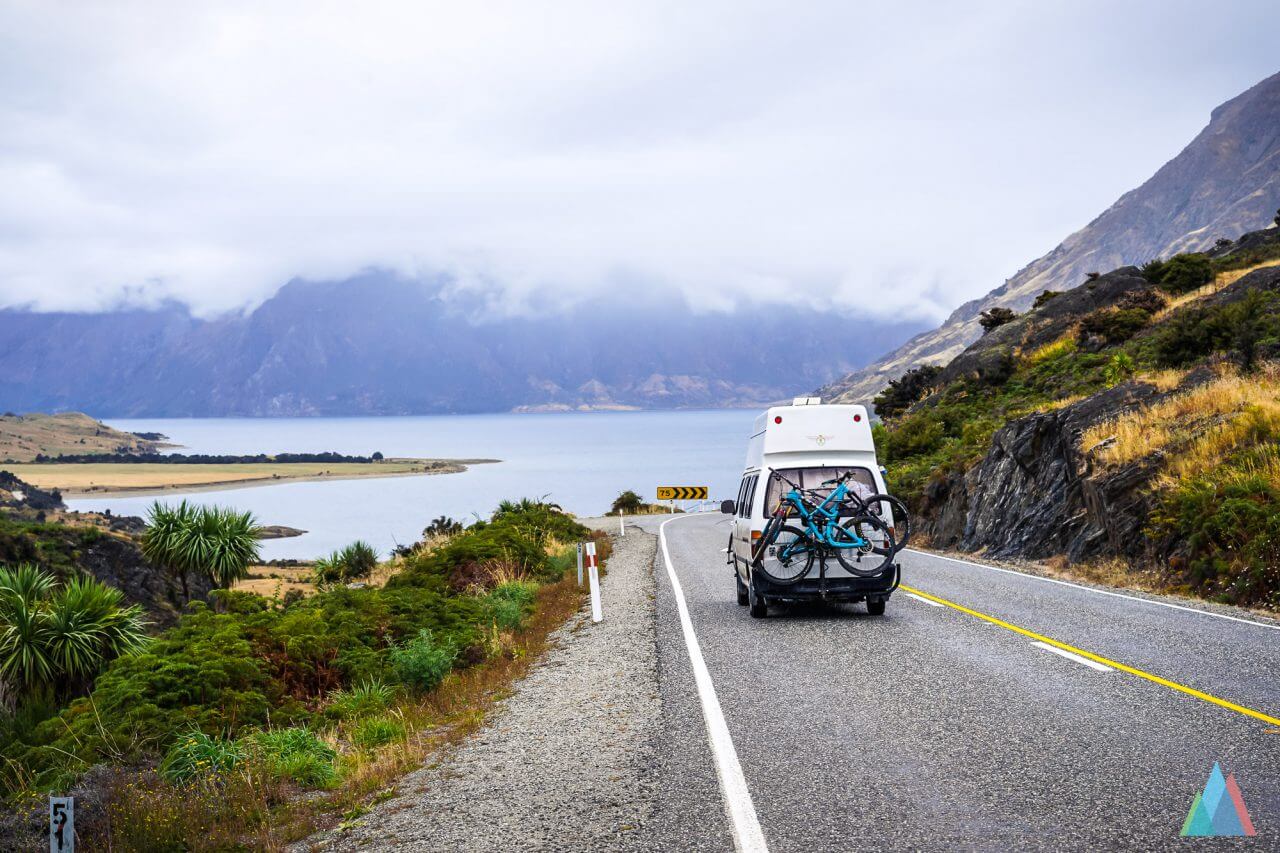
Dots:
(728, 507)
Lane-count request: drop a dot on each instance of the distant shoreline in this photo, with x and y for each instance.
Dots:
(118, 480)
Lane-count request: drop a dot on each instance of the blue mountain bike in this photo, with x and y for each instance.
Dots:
(808, 526)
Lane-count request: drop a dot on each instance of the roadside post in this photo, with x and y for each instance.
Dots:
(622, 523)
(579, 564)
(62, 825)
(594, 574)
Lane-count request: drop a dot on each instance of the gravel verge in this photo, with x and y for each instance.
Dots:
(566, 761)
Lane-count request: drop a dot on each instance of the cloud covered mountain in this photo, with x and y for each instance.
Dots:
(379, 344)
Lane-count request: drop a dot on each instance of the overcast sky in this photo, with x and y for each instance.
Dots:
(894, 158)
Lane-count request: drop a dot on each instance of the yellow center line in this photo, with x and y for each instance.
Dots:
(1173, 685)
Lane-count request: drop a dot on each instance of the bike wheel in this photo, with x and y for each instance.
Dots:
(894, 513)
(863, 545)
(788, 558)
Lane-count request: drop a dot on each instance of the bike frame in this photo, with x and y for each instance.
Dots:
(818, 521)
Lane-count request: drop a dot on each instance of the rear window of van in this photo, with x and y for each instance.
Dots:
(862, 483)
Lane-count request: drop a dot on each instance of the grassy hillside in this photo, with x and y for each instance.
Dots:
(1166, 377)
(23, 437)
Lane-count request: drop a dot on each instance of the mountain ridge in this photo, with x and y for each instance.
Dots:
(1225, 182)
(378, 344)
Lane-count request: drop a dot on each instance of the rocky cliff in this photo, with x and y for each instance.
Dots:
(1226, 182)
(1117, 420)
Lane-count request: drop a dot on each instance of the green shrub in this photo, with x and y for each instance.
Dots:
(1230, 525)
(1119, 369)
(376, 731)
(357, 560)
(296, 754)
(1193, 333)
(366, 698)
(1113, 325)
(58, 637)
(196, 754)
(511, 601)
(422, 663)
(1044, 298)
(902, 392)
(994, 318)
(216, 542)
(1181, 273)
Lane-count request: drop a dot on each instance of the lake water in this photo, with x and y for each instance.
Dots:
(580, 460)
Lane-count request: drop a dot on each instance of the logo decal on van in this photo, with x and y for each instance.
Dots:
(820, 438)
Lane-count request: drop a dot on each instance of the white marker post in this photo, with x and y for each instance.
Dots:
(579, 564)
(594, 574)
(622, 523)
(62, 825)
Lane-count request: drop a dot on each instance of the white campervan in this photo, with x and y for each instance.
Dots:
(809, 444)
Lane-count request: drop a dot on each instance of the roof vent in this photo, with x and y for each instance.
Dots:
(807, 401)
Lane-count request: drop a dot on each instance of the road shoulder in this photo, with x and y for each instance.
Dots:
(566, 762)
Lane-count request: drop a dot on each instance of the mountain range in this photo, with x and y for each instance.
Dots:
(1224, 183)
(379, 344)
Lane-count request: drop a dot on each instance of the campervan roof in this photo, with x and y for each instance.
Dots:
(813, 427)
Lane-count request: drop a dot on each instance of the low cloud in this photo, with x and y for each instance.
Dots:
(895, 162)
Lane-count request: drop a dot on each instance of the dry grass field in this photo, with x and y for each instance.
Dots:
(135, 477)
(24, 436)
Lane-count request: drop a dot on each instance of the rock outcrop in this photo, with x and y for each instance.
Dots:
(1035, 494)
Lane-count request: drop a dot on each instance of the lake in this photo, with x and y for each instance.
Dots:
(579, 460)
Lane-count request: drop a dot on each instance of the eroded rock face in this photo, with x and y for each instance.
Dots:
(1035, 493)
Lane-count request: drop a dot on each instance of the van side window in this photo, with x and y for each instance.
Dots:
(744, 509)
(742, 493)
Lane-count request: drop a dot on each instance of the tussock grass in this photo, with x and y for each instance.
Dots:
(1163, 380)
(1054, 349)
(1201, 426)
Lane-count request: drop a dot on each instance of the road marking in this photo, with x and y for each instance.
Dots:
(1098, 591)
(1072, 656)
(1132, 670)
(748, 837)
(925, 600)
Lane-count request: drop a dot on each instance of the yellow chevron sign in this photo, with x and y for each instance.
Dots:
(682, 493)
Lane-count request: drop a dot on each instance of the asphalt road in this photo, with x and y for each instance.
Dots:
(932, 728)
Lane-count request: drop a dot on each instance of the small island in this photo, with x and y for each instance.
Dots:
(77, 455)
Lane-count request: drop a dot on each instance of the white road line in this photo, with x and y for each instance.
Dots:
(1081, 659)
(1098, 591)
(748, 837)
(923, 600)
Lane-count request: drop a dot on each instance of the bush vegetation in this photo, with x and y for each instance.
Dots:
(1181, 273)
(903, 392)
(244, 679)
(354, 562)
(995, 318)
(216, 542)
(1216, 497)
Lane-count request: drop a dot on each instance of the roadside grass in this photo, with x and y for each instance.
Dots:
(375, 735)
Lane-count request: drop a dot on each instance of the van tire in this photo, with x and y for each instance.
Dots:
(759, 609)
(744, 597)
(876, 607)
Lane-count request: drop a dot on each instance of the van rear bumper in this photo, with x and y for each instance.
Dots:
(842, 588)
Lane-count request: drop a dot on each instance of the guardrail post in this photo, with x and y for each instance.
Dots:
(579, 564)
(594, 575)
